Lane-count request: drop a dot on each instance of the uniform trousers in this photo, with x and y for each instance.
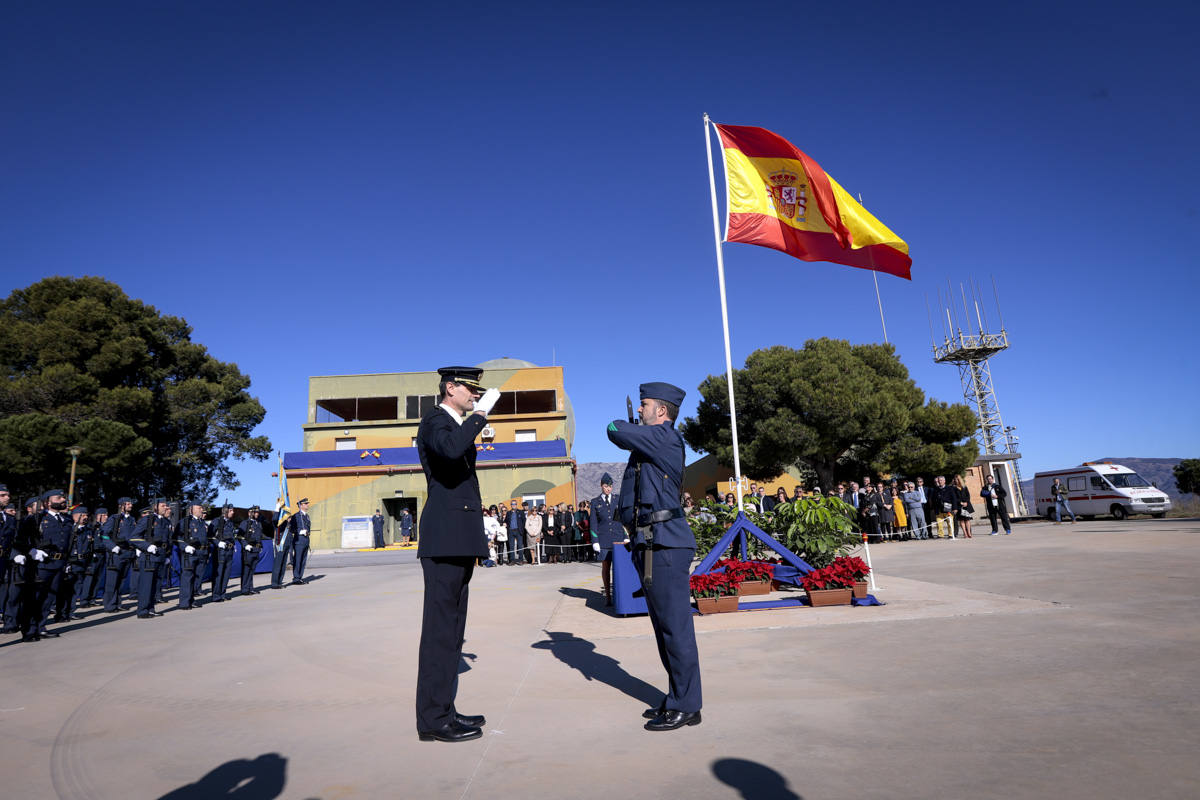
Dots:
(68, 586)
(114, 576)
(249, 562)
(198, 573)
(149, 577)
(668, 600)
(224, 563)
(189, 566)
(300, 558)
(91, 579)
(49, 579)
(282, 554)
(443, 631)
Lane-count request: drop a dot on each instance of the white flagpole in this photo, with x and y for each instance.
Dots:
(712, 187)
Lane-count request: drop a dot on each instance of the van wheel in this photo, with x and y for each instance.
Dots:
(1050, 515)
(1119, 512)
(1159, 515)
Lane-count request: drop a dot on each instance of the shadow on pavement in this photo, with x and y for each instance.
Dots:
(581, 654)
(753, 781)
(592, 599)
(241, 779)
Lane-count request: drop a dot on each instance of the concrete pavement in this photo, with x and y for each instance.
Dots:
(1060, 662)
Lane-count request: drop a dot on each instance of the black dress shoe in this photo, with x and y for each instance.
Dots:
(670, 720)
(470, 720)
(145, 616)
(450, 732)
(49, 634)
(10, 630)
(651, 713)
(31, 638)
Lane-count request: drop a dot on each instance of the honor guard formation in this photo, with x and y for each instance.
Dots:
(55, 560)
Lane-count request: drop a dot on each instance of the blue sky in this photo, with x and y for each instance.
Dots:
(360, 187)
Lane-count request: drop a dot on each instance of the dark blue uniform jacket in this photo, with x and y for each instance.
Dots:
(659, 448)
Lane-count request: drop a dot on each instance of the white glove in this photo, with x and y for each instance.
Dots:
(19, 559)
(189, 549)
(248, 547)
(222, 545)
(152, 549)
(38, 555)
(278, 506)
(596, 546)
(116, 549)
(485, 404)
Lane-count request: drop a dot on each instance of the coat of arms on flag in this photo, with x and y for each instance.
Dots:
(788, 194)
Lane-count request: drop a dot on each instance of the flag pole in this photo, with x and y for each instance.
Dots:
(712, 188)
(878, 299)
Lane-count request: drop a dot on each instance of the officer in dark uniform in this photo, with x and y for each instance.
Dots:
(299, 527)
(93, 568)
(250, 533)
(115, 537)
(79, 552)
(658, 448)
(22, 573)
(8, 535)
(50, 550)
(377, 529)
(225, 533)
(152, 538)
(452, 538)
(193, 540)
(606, 526)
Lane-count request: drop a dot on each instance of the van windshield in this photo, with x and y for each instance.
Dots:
(1128, 480)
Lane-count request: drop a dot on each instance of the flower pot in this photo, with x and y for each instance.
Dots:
(860, 589)
(829, 597)
(717, 605)
(755, 587)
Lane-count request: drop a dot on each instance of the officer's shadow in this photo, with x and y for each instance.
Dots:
(754, 781)
(241, 779)
(581, 654)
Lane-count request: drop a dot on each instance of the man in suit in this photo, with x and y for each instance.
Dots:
(606, 527)
(452, 538)
(514, 522)
(994, 495)
(663, 545)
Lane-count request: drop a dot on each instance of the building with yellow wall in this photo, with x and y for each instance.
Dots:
(360, 445)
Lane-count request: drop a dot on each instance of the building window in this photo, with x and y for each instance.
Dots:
(349, 443)
(356, 409)
(540, 401)
(416, 405)
(534, 500)
(525, 436)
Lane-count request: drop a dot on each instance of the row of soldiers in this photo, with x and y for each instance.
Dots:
(52, 558)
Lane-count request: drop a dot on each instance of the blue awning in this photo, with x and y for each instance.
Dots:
(407, 456)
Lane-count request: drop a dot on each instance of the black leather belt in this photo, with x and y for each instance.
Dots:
(662, 515)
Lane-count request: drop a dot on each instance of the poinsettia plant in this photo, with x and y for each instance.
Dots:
(835, 576)
(746, 570)
(857, 567)
(714, 584)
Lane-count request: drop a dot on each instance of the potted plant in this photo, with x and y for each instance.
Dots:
(715, 592)
(754, 576)
(858, 569)
(829, 586)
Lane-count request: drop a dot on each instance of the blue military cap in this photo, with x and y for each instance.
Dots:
(154, 503)
(227, 506)
(301, 501)
(3, 487)
(101, 510)
(254, 508)
(661, 391)
(467, 376)
(79, 509)
(51, 493)
(606, 478)
(32, 501)
(196, 501)
(123, 500)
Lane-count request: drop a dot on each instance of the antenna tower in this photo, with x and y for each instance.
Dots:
(970, 349)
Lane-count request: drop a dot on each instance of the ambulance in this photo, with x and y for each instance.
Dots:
(1100, 487)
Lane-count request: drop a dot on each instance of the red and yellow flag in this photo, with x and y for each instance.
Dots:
(781, 198)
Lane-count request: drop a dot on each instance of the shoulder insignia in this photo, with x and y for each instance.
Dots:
(612, 426)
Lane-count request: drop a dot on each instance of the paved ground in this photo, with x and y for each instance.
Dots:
(1060, 662)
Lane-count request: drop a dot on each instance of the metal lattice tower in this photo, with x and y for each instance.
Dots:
(971, 351)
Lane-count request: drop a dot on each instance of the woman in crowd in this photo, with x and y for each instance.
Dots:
(689, 505)
(963, 507)
(901, 525)
(781, 496)
(550, 539)
(887, 512)
(491, 526)
(730, 500)
(570, 534)
(583, 522)
(872, 512)
(533, 534)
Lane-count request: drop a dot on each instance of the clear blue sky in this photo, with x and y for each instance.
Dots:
(328, 188)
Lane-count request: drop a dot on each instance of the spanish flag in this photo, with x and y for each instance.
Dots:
(778, 197)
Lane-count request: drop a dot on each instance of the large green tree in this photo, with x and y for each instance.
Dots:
(835, 409)
(1187, 475)
(88, 365)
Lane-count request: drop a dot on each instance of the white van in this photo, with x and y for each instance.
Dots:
(1101, 487)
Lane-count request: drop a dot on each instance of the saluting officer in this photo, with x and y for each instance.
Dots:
(606, 527)
(658, 448)
(51, 547)
(115, 537)
(224, 532)
(193, 538)
(152, 538)
(94, 565)
(452, 538)
(250, 533)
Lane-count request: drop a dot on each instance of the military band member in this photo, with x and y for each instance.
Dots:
(115, 537)
(193, 540)
(94, 566)
(250, 533)
(452, 538)
(658, 448)
(224, 532)
(606, 527)
(152, 537)
(299, 526)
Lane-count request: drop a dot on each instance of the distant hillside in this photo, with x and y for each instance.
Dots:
(1155, 470)
(587, 477)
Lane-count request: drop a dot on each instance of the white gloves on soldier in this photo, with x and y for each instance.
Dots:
(116, 550)
(485, 404)
(152, 549)
(278, 506)
(189, 549)
(222, 545)
(19, 559)
(38, 555)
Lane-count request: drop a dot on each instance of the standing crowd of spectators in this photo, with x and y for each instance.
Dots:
(528, 534)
